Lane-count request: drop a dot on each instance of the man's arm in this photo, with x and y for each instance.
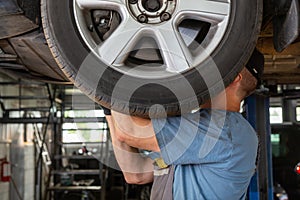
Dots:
(135, 131)
(136, 169)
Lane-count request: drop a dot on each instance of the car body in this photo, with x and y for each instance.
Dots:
(22, 32)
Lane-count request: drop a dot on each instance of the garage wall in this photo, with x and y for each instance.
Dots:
(4, 147)
(4, 187)
(21, 157)
(19, 153)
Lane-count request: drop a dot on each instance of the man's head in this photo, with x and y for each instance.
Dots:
(251, 74)
(242, 86)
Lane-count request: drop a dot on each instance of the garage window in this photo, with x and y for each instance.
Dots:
(275, 141)
(276, 115)
(78, 131)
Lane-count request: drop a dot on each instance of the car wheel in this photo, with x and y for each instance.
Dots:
(134, 55)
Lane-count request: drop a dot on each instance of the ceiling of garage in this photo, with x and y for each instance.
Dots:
(280, 68)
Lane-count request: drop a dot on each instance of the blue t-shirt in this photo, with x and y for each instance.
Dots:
(214, 153)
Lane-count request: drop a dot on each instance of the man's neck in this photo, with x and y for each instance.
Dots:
(223, 102)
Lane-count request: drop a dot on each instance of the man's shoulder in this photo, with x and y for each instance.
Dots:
(237, 119)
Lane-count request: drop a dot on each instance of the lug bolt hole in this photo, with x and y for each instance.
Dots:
(142, 18)
(133, 1)
(165, 16)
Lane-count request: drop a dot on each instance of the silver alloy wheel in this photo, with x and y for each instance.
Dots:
(163, 25)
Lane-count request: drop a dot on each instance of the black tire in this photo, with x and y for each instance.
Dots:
(230, 56)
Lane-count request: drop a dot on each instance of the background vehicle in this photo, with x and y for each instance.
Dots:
(285, 148)
(151, 49)
(279, 193)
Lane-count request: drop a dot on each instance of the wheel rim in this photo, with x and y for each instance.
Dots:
(152, 38)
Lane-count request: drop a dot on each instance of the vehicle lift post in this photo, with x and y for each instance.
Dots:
(257, 113)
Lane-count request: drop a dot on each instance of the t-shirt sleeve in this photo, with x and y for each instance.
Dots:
(183, 140)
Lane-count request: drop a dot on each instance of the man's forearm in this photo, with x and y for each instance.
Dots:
(136, 169)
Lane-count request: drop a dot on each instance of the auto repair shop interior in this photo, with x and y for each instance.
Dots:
(54, 140)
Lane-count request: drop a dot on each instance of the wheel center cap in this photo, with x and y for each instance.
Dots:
(151, 11)
(151, 5)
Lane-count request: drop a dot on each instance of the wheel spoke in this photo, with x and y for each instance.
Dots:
(101, 4)
(115, 48)
(212, 8)
(174, 51)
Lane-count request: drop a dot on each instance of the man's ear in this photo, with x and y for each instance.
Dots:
(237, 79)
